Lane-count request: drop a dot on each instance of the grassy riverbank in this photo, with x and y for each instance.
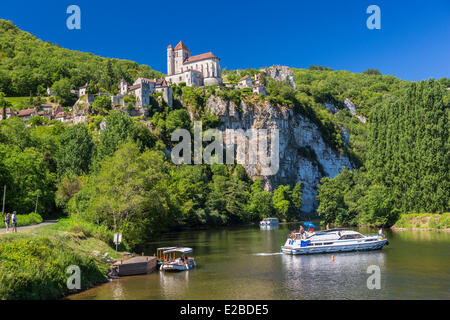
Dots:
(34, 262)
(423, 221)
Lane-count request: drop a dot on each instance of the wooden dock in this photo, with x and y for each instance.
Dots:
(136, 265)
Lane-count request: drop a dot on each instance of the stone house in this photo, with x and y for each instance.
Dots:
(141, 89)
(245, 82)
(162, 86)
(46, 107)
(82, 90)
(63, 116)
(259, 89)
(45, 114)
(9, 113)
(27, 114)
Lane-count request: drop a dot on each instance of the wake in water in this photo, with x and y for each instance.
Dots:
(267, 254)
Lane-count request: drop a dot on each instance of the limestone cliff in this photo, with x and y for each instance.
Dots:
(303, 153)
(281, 73)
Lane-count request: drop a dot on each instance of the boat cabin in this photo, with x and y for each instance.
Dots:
(177, 260)
(159, 253)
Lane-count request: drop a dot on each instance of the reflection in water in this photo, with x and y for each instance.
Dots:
(268, 228)
(117, 290)
(174, 284)
(320, 277)
(245, 263)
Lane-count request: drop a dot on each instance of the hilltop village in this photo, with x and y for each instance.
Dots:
(183, 69)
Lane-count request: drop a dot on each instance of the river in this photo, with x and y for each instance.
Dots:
(245, 263)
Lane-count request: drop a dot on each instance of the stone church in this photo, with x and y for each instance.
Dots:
(200, 70)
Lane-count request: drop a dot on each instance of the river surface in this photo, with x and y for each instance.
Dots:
(245, 263)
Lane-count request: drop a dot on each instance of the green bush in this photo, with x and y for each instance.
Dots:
(35, 268)
(424, 221)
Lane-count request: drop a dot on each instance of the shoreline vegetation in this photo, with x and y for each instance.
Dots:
(423, 221)
(45, 252)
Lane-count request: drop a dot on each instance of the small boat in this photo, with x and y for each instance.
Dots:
(269, 222)
(159, 254)
(173, 263)
(332, 240)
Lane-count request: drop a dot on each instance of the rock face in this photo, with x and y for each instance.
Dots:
(352, 108)
(281, 73)
(303, 154)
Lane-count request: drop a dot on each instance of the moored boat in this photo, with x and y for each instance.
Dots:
(332, 240)
(266, 222)
(173, 263)
(160, 255)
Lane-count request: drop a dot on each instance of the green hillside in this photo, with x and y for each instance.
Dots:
(29, 65)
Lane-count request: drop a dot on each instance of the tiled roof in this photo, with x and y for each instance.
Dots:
(180, 46)
(61, 115)
(203, 56)
(161, 83)
(132, 88)
(10, 111)
(58, 110)
(148, 80)
(245, 78)
(26, 112)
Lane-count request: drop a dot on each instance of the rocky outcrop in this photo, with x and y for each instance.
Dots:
(303, 153)
(352, 108)
(281, 73)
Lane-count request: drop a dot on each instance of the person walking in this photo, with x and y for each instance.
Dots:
(14, 222)
(7, 221)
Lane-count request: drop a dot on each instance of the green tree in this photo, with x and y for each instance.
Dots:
(281, 201)
(3, 105)
(61, 89)
(260, 202)
(101, 105)
(296, 199)
(119, 128)
(76, 152)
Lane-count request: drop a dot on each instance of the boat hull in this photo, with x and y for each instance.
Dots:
(177, 267)
(362, 246)
(268, 224)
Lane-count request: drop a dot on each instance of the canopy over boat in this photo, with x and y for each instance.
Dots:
(309, 225)
(165, 248)
(182, 250)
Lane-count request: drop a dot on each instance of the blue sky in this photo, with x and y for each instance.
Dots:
(413, 43)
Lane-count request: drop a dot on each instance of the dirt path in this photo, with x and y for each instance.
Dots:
(45, 223)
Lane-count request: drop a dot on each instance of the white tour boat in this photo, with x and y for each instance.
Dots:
(171, 262)
(332, 240)
(269, 222)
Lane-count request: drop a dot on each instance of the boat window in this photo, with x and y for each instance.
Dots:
(351, 236)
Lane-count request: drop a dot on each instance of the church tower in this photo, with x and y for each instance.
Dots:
(181, 54)
(170, 61)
